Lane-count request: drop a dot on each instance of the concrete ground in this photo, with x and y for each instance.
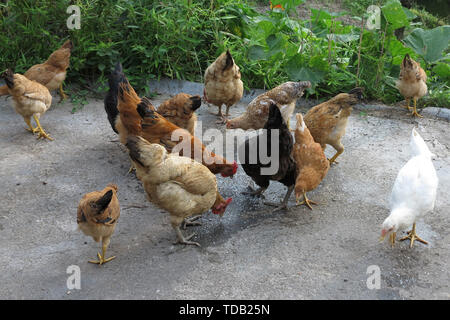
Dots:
(248, 254)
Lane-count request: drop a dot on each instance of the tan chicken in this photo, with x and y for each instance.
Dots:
(180, 110)
(30, 99)
(257, 113)
(412, 83)
(312, 164)
(327, 121)
(138, 117)
(223, 84)
(97, 216)
(52, 72)
(177, 184)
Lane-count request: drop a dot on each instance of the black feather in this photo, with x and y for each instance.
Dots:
(111, 100)
(196, 102)
(103, 203)
(286, 173)
(133, 149)
(8, 76)
(229, 62)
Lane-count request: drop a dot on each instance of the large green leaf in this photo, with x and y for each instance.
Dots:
(394, 14)
(398, 51)
(442, 70)
(299, 72)
(257, 52)
(429, 43)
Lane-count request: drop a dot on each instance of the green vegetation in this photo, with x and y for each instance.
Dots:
(180, 38)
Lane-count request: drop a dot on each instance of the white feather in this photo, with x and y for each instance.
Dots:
(415, 188)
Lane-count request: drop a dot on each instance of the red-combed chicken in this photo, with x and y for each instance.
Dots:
(177, 184)
(140, 118)
(223, 84)
(52, 72)
(312, 164)
(412, 82)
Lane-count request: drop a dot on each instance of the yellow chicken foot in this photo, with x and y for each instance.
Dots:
(30, 127)
(412, 235)
(407, 105)
(283, 204)
(101, 257)
(62, 93)
(414, 112)
(132, 168)
(333, 159)
(182, 240)
(42, 133)
(306, 201)
(191, 222)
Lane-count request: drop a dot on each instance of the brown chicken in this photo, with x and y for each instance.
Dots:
(223, 84)
(97, 216)
(257, 113)
(312, 164)
(177, 184)
(138, 117)
(180, 110)
(412, 83)
(327, 121)
(52, 72)
(31, 99)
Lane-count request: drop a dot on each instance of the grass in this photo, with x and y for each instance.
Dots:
(180, 38)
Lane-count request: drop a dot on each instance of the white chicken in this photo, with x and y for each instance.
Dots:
(413, 194)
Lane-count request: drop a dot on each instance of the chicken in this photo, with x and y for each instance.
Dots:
(413, 194)
(285, 95)
(177, 184)
(110, 102)
(30, 98)
(223, 84)
(412, 82)
(52, 72)
(97, 216)
(327, 121)
(281, 164)
(180, 110)
(312, 164)
(140, 118)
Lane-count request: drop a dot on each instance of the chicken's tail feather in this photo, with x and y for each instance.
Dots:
(8, 76)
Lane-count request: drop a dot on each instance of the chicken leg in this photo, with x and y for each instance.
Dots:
(101, 257)
(407, 104)
(412, 235)
(306, 201)
(30, 127)
(257, 193)
(339, 150)
(283, 204)
(188, 222)
(414, 112)
(182, 240)
(392, 239)
(62, 94)
(42, 133)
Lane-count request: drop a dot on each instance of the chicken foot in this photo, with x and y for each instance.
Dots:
(306, 201)
(62, 94)
(406, 106)
(30, 127)
(412, 235)
(188, 222)
(414, 112)
(42, 133)
(282, 204)
(101, 257)
(257, 193)
(184, 240)
(392, 239)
